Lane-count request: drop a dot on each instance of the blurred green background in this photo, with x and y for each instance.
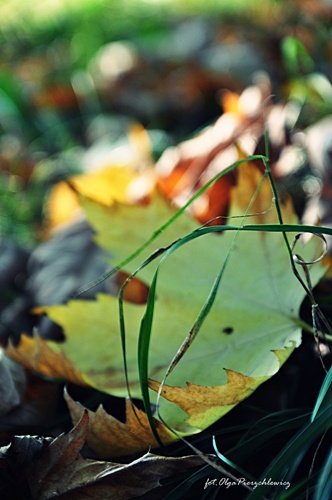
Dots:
(74, 75)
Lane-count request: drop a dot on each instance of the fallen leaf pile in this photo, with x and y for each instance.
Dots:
(250, 331)
(54, 468)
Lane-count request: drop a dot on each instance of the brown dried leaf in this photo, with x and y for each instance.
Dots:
(14, 460)
(109, 437)
(35, 354)
(54, 471)
(60, 471)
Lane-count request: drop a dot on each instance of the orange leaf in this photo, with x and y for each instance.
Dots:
(37, 355)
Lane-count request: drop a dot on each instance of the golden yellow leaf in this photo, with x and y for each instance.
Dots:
(105, 186)
(112, 184)
(205, 405)
(62, 206)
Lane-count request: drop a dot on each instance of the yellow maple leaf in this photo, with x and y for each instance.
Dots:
(254, 316)
(205, 405)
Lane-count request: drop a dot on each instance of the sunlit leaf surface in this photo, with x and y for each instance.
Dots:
(251, 330)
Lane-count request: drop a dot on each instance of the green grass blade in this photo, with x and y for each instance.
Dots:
(178, 493)
(164, 226)
(147, 321)
(229, 462)
(324, 486)
(324, 397)
(143, 354)
(284, 465)
(122, 323)
(146, 325)
(301, 490)
(251, 444)
(269, 228)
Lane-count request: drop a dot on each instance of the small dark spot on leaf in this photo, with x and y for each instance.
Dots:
(228, 330)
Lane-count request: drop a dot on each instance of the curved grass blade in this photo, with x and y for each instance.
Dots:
(324, 397)
(164, 226)
(229, 462)
(251, 444)
(178, 493)
(302, 490)
(146, 325)
(317, 315)
(152, 257)
(324, 486)
(269, 228)
(209, 301)
(143, 354)
(201, 231)
(285, 464)
(147, 321)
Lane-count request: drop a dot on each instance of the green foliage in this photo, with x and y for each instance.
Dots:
(296, 57)
(20, 209)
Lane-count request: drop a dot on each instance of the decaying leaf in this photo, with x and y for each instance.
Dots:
(46, 358)
(109, 437)
(47, 468)
(14, 459)
(56, 469)
(254, 314)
